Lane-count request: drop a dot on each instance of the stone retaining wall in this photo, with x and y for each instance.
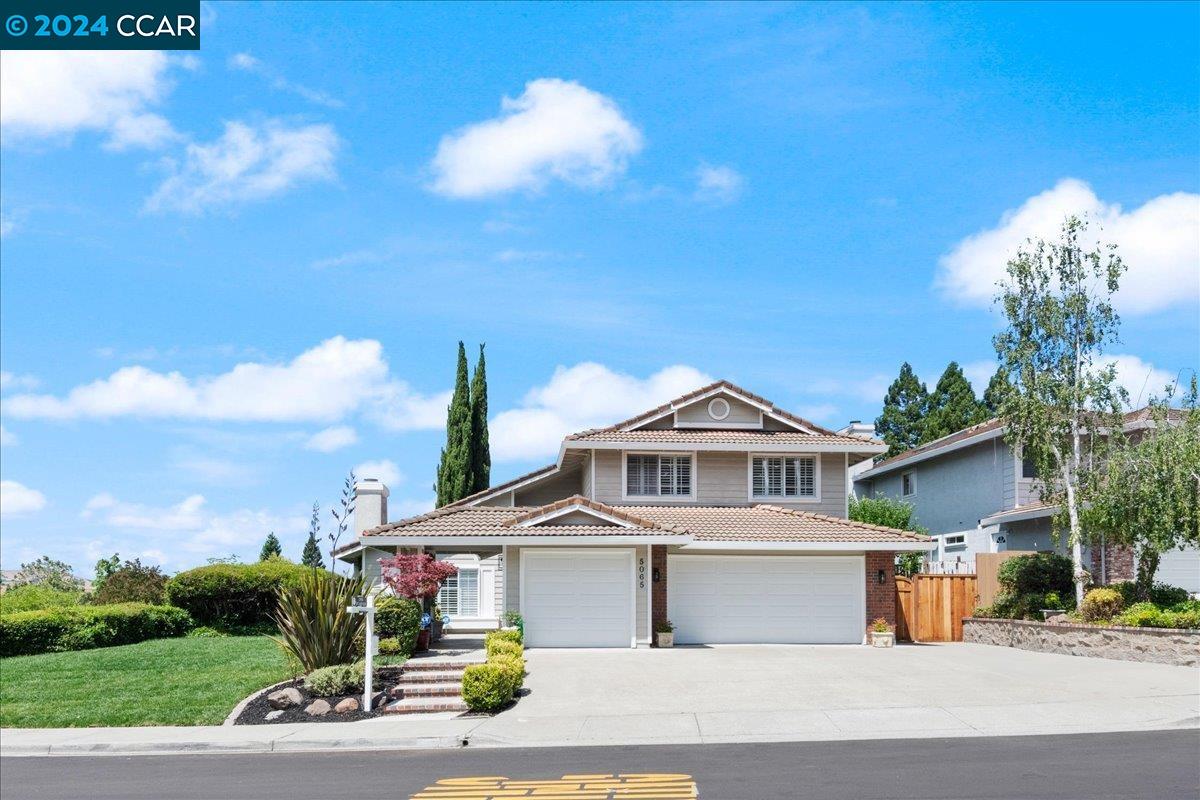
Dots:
(1160, 645)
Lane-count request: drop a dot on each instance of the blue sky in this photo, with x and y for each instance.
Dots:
(230, 276)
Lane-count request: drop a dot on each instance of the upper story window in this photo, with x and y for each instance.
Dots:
(1028, 467)
(907, 486)
(652, 475)
(783, 477)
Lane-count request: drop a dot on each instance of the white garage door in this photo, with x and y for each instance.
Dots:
(577, 598)
(1180, 568)
(766, 599)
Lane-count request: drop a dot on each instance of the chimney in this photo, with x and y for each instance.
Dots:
(370, 504)
(858, 428)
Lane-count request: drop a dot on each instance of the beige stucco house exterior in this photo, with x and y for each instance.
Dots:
(718, 511)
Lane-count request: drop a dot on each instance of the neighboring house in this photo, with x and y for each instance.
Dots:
(717, 511)
(976, 494)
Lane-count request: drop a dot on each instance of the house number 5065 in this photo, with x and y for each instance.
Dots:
(641, 573)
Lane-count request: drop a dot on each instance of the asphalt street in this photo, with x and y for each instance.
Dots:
(1158, 765)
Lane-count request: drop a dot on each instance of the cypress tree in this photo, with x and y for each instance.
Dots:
(952, 405)
(454, 471)
(903, 414)
(481, 454)
(999, 388)
(270, 548)
(312, 549)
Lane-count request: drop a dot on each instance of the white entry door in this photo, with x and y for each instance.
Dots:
(577, 598)
(766, 599)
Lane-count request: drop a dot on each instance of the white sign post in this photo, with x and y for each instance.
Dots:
(366, 605)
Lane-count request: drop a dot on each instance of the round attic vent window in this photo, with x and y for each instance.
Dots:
(718, 408)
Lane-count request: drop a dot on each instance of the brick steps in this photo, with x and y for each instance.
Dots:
(428, 686)
(426, 690)
(431, 677)
(424, 705)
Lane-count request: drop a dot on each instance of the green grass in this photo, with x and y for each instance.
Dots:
(185, 681)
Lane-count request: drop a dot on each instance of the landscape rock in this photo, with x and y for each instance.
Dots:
(347, 704)
(317, 708)
(274, 715)
(285, 698)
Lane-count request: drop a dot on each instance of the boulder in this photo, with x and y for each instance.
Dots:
(347, 704)
(317, 708)
(285, 698)
(274, 715)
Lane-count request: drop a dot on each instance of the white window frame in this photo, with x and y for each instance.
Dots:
(911, 483)
(658, 498)
(753, 498)
(954, 540)
(458, 594)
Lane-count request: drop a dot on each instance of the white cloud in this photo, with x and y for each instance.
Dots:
(193, 530)
(57, 93)
(586, 395)
(16, 498)
(331, 439)
(717, 184)
(979, 373)
(217, 470)
(244, 62)
(11, 380)
(556, 130)
(383, 470)
(248, 163)
(1159, 242)
(7, 437)
(326, 383)
(1141, 379)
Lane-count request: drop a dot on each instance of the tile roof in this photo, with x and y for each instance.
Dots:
(937, 444)
(762, 523)
(579, 501)
(703, 436)
(500, 487)
(1037, 509)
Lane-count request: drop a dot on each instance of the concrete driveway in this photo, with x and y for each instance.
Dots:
(738, 693)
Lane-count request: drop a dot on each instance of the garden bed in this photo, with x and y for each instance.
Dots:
(258, 710)
(1178, 646)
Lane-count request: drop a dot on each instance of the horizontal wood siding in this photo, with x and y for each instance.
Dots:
(553, 488)
(739, 412)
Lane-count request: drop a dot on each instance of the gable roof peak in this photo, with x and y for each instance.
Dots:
(578, 502)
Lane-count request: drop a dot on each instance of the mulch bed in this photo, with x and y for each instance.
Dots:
(255, 712)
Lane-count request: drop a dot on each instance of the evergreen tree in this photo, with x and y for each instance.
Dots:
(998, 390)
(481, 454)
(312, 550)
(903, 414)
(952, 406)
(454, 471)
(270, 548)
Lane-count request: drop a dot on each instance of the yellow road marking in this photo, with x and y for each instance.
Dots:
(636, 786)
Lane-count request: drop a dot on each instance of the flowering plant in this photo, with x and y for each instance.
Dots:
(417, 576)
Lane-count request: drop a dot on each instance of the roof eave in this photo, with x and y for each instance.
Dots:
(890, 466)
(523, 537)
(866, 448)
(830, 546)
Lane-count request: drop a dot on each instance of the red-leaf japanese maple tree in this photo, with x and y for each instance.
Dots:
(417, 576)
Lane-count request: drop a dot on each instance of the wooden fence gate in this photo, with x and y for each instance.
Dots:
(930, 608)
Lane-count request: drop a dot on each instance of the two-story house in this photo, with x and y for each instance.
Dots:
(718, 511)
(976, 494)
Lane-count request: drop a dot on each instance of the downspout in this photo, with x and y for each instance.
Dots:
(1103, 561)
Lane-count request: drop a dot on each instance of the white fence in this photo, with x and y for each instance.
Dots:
(948, 567)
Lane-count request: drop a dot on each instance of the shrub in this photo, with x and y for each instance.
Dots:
(338, 679)
(205, 632)
(34, 597)
(398, 618)
(514, 665)
(390, 646)
(234, 595)
(495, 647)
(487, 687)
(1037, 574)
(507, 635)
(1024, 606)
(314, 626)
(1140, 615)
(1100, 605)
(1053, 600)
(1161, 594)
(85, 627)
(133, 583)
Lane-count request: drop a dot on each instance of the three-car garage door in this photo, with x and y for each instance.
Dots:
(577, 598)
(766, 599)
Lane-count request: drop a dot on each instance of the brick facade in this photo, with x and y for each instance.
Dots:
(658, 590)
(881, 597)
(1117, 564)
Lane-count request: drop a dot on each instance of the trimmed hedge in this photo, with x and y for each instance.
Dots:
(497, 647)
(400, 619)
(84, 627)
(487, 687)
(515, 665)
(34, 597)
(1161, 594)
(1101, 605)
(234, 595)
(507, 634)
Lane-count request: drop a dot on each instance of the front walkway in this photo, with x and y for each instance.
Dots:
(730, 694)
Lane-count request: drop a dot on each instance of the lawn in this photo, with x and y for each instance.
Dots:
(185, 681)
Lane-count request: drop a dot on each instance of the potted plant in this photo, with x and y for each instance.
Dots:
(882, 634)
(1052, 605)
(439, 622)
(424, 633)
(515, 621)
(665, 633)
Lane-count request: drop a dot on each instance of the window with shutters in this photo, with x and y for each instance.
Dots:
(459, 595)
(784, 478)
(655, 475)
